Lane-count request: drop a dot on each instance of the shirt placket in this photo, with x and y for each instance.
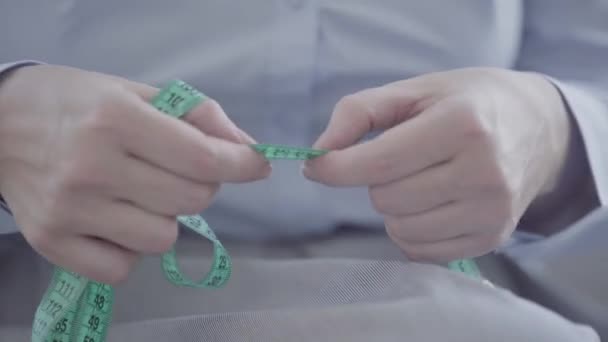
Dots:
(291, 64)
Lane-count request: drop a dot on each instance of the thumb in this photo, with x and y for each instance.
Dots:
(366, 111)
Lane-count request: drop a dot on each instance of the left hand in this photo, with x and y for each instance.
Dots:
(464, 155)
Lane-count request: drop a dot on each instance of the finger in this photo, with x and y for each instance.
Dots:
(208, 117)
(445, 222)
(161, 192)
(366, 111)
(145, 91)
(467, 246)
(430, 138)
(133, 228)
(95, 259)
(423, 191)
(182, 149)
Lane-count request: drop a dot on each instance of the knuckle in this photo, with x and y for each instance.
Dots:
(504, 210)
(464, 105)
(393, 230)
(379, 200)
(212, 106)
(198, 199)
(118, 273)
(73, 177)
(54, 216)
(412, 253)
(191, 208)
(205, 195)
(207, 161)
(348, 103)
(355, 105)
(472, 126)
(501, 221)
(504, 199)
(385, 167)
(326, 174)
(80, 173)
(489, 242)
(474, 130)
(166, 236)
(492, 180)
(104, 118)
(39, 237)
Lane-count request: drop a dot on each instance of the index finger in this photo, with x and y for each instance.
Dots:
(180, 148)
(208, 116)
(428, 139)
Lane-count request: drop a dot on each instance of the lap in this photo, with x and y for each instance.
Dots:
(298, 294)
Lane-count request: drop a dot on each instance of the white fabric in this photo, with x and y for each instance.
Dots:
(297, 292)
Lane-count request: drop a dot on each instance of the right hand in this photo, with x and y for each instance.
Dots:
(95, 175)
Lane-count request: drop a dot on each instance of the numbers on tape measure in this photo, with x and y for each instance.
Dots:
(94, 322)
(271, 151)
(99, 301)
(223, 262)
(61, 326)
(65, 289)
(177, 99)
(53, 308)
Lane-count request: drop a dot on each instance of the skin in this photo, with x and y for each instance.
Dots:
(463, 155)
(106, 172)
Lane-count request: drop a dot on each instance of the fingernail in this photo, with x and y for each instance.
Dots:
(305, 170)
(268, 170)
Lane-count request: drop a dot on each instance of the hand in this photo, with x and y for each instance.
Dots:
(465, 154)
(95, 176)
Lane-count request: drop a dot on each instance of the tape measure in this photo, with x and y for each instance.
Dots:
(76, 309)
(287, 152)
(466, 266)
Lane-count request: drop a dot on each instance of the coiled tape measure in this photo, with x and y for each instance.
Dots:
(76, 309)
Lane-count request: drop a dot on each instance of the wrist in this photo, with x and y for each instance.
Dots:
(11, 121)
(563, 146)
(567, 166)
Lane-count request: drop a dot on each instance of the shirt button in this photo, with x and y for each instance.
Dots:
(296, 4)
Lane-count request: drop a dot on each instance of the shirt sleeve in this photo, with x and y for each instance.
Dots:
(568, 41)
(7, 67)
(7, 224)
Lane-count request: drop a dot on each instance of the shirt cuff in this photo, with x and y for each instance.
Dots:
(7, 67)
(591, 116)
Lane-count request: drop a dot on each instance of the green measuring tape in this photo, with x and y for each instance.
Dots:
(466, 266)
(76, 309)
